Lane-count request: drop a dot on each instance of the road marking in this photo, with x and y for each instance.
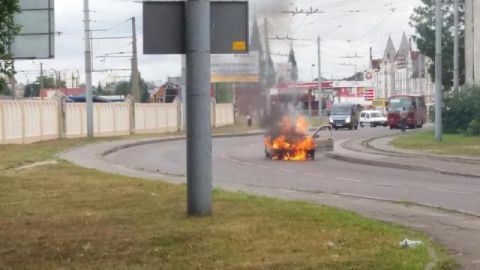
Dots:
(287, 170)
(263, 167)
(449, 191)
(349, 179)
(314, 174)
(387, 185)
(476, 262)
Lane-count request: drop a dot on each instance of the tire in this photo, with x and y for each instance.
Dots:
(356, 127)
(361, 125)
(350, 128)
(391, 127)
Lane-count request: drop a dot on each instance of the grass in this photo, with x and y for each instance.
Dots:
(65, 217)
(450, 145)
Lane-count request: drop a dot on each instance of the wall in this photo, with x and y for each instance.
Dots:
(29, 121)
(109, 119)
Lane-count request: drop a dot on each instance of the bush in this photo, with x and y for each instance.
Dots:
(461, 113)
(474, 127)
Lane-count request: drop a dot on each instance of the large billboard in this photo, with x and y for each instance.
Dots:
(36, 38)
(235, 68)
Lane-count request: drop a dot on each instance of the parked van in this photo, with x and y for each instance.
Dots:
(345, 115)
(373, 118)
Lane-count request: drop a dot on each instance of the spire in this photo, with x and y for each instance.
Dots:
(255, 41)
(404, 50)
(390, 51)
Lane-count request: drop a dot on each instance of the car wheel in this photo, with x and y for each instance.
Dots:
(361, 125)
(391, 127)
(356, 127)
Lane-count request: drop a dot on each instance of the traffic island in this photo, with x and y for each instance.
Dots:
(64, 216)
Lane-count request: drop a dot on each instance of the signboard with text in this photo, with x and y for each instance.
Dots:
(235, 68)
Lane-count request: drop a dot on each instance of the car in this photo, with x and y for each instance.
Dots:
(373, 118)
(322, 137)
(344, 115)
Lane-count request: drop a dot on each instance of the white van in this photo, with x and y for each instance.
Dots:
(373, 118)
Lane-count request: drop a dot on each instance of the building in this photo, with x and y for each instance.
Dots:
(401, 71)
(472, 39)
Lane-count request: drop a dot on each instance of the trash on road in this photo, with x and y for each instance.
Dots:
(410, 243)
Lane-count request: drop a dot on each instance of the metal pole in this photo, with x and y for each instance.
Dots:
(267, 69)
(320, 80)
(456, 83)
(199, 132)
(14, 93)
(135, 75)
(438, 71)
(41, 80)
(88, 69)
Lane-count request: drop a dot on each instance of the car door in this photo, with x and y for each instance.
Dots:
(324, 139)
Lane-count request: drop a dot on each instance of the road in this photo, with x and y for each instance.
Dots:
(241, 161)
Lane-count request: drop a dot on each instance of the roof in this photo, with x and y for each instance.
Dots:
(404, 49)
(376, 63)
(390, 51)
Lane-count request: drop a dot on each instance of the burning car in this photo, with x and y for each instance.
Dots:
(291, 140)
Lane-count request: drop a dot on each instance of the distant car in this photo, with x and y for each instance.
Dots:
(373, 118)
(344, 115)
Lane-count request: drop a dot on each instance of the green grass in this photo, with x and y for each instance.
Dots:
(65, 217)
(450, 145)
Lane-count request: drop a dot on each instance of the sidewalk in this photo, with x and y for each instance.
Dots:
(379, 152)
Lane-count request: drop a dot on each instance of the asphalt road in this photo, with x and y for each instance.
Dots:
(241, 161)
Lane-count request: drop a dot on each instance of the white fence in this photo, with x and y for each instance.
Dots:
(29, 121)
(156, 118)
(109, 119)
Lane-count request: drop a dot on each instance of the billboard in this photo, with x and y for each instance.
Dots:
(235, 68)
(229, 27)
(36, 38)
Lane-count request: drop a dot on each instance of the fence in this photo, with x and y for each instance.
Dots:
(29, 121)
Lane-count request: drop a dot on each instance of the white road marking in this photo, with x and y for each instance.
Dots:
(263, 167)
(287, 170)
(314, 174)
(449, 191)
(353, 180)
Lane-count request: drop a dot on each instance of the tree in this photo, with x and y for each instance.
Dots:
(123, 88)
(8, 29)
(33, 89)
(423, 20)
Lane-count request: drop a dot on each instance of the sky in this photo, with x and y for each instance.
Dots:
(346, 27)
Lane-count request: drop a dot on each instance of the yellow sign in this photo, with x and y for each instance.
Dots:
(239, 46)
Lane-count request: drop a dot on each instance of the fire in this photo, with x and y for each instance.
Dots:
(291, 141)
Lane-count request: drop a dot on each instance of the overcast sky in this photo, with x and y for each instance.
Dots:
(343, 33)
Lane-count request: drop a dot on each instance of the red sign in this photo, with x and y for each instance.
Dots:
(369, 94)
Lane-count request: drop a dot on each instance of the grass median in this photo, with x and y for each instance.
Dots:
(451, 144)
(60, 216)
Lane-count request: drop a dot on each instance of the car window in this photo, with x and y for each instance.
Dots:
(362, 115)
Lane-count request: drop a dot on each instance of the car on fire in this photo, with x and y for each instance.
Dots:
(299, 146)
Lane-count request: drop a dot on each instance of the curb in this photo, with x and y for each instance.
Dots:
(395, 165)
(171, 139)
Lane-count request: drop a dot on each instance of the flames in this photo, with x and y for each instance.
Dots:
(290, 140)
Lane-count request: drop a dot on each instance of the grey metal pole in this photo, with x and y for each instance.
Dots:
(320, 80)
(88, 69)
(456, 83)
(41, 81)
(14, 93)
(135, 75)
(267, 70)
(199, 132)
(438, 71)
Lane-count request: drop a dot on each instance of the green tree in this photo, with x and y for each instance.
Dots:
(33, 89)
(145, 95)
(8, 29)
(423, 20)
(123, 88)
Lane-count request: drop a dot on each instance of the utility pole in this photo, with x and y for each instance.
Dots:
(14, 93)
(456, 83)
(135, 80)
(267, 69)
(41, 80)
(438, 71)
(88, 69)
(320, 80)
(199, 132)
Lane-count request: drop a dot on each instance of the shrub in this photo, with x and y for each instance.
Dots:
(461, 112)
(474, 127)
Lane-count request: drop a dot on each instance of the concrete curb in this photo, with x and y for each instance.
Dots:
(394, 165)
(171, 139)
